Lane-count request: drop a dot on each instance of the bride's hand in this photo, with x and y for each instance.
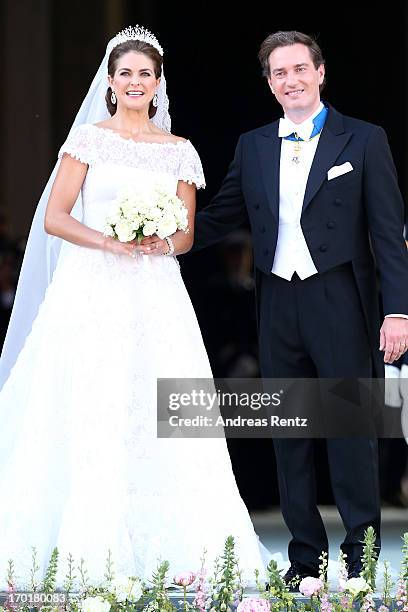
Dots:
(121, 248)
(153, 245)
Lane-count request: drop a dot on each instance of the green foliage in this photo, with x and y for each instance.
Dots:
(109, 573)
(404, 563)
(70, 575)
(388, 585)
(227, 584)
(278, 589)
(83, 576)
(158, 598)
(50, 580)
(370, 557)
(34, 583)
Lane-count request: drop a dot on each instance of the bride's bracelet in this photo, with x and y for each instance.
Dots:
(170, 245)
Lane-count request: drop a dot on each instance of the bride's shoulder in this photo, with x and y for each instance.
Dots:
(166, 137)
(177, 139)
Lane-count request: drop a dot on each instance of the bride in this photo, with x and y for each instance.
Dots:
(81, 467)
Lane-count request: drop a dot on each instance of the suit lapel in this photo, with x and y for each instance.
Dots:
(269, 146)
(332, 141)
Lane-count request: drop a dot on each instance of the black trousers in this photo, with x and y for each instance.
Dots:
(315, 328)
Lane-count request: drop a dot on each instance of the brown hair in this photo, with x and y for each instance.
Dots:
(284, 39)
(140, 47)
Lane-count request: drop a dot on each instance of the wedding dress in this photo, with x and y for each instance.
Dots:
(83, 471)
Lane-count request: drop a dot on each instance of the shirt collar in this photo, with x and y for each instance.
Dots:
(303, 130)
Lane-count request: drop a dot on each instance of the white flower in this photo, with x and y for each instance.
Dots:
(143, 207)
(126, 589)
(108, 231)
(355, 586)
(166, 227)
(129, 208)
(149, 228)
(180, 215)
(95, 604)
(155, 213)
(135, 222)
(124, 231)
(114, 215)
(146, 209)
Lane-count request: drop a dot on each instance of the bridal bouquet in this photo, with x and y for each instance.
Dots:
(138, 212)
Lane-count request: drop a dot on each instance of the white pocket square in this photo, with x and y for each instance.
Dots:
(336, 171)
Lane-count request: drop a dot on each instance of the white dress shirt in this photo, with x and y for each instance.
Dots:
(292, 254)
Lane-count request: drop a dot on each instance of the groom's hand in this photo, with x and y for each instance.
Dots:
(394, 338)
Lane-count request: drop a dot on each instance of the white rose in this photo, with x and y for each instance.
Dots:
(166, 227)
(129, 209)
(124, 231)
(136, 591)
(181, 218)
(149, 228)
(155, 213)
(355, 586)
(143, 207)
(95, 604)
(114, 215)
(135, 223)
(126, 589)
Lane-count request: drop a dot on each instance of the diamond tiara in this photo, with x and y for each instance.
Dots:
(135, 33)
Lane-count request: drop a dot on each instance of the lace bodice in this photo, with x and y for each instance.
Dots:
(115, 161)
(94, 145)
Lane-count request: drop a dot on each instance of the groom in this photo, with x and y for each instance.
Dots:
(320, 190)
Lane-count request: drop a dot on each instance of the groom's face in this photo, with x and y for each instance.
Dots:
(294, 79)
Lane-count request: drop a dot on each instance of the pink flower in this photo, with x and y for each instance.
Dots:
(383, 609)
(325, 604)
(200, 596)
(253, 604)
(184, 579)
(368, 604)
(310, 586)
(346, 602)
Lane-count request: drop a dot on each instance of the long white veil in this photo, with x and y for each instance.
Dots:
(42, 250)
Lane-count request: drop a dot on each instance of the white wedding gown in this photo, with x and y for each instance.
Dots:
(81, 468)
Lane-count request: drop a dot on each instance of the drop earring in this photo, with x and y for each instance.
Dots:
(154, 101)
(113, 97)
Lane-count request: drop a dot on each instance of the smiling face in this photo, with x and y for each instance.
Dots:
(134, 81)
(294, 80)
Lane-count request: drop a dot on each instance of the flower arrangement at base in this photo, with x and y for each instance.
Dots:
(224, 592)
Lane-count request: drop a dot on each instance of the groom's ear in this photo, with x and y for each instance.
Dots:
(270, 85)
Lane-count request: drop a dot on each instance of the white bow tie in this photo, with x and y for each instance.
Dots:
(303, 130)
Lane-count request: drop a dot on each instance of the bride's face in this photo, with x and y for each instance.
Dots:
(134, 81)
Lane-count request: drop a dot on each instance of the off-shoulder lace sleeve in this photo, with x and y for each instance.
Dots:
(80, 144)
(191, 169)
